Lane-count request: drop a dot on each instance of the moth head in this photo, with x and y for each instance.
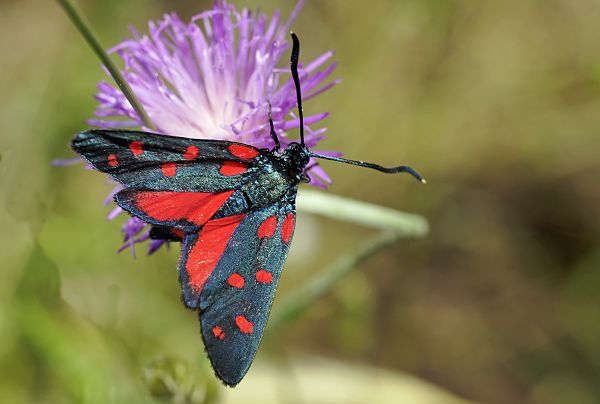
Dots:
(296, 157)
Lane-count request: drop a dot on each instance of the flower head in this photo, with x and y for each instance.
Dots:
(213, 78)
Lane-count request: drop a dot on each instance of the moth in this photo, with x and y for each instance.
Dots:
(232, 207)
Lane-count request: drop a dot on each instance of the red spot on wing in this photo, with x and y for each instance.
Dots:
(169, 169)
(208, 249)
(287, 228)
(136, 148)
(195, 207)
(243, 152)
(218, 332)
(230, 168)
(244, 325)
(112, 160)
(191, 152)
(177, 232)
(267, 228)
(236, 281)
(263, 276)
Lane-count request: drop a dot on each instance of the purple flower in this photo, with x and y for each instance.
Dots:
(212, 78)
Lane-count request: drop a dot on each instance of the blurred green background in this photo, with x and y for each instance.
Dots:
(497, 103)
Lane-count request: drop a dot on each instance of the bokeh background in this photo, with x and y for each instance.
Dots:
(497, 103)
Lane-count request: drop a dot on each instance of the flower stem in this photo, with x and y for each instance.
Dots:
(86, 32)
(322, 284)
(336, 207)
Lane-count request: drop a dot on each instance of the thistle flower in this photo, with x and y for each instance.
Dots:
(213, 78)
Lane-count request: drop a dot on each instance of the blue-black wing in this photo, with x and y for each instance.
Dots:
(149, 161)
(237, 283)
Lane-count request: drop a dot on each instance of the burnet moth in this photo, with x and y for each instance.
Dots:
(232, 207)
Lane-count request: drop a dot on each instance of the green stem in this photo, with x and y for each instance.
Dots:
(86, 32)
(350, 210)
(319, 286)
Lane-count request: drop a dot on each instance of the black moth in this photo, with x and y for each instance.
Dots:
(231, 205)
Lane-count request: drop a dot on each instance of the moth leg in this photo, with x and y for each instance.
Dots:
(273, 134)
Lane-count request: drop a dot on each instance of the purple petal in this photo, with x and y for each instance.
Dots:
(66, 162)
(154, 245)
(211, 78)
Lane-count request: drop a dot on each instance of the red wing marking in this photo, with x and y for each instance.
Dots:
(191, 152)
(169, 169)
(244, 325)
(287, 229)
(112, 160)
(177, 232)
(267, 228)
(196, 207)
(230, 168)
(208, 249)
(218, 332)
(263, 276)
(236, 281)
(243, 152)
(136, 148)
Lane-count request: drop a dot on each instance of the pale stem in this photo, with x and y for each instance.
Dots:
(366, 214)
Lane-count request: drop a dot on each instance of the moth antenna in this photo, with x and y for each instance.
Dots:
(294, 68)
(387, 170)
